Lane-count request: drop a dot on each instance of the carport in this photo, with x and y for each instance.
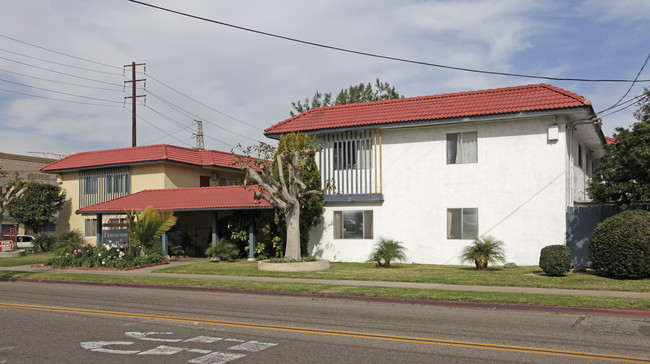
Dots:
(189, 201)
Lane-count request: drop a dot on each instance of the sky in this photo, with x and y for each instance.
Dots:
(62, 74)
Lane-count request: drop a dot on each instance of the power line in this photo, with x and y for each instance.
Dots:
(378, 55)
(61, 73)
(58, 63)
(61, 53)
(59, 92)
(186, 112)
(200, 103)
(61, 82)
(167, 134)
(632, 85)
(185, 127)
(55, 99)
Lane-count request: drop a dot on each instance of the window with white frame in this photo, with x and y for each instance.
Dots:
(356, 224)
(90, 227)
(462, 223)
(462, 148)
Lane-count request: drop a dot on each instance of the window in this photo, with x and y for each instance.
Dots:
(90, 185)
(353, 224)
(461, 148)
(579, 155)
(352, 154)
(462, 223)
(90, 227)
(204, 181)
(116, 183)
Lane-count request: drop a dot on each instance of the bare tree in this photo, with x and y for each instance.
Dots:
(283, 189)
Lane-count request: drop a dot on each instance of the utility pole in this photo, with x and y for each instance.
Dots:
(134, 96)
(199, 135)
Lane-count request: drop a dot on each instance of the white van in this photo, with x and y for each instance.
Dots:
(22, 241)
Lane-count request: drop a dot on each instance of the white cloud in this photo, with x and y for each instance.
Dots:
(255, 77)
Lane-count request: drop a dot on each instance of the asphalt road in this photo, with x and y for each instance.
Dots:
(48, 323)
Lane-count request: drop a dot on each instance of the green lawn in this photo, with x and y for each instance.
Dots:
(37, 258)
(448, 274)
(465, 275)
(400, 293)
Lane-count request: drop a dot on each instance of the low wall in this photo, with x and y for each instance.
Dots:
(293, 267)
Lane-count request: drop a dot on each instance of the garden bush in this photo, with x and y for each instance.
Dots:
(113, 255)
(44, 242)
(223, 250)
(68, 241)
(385, 251)
(620, 246)
(483, 251)
(555, 260)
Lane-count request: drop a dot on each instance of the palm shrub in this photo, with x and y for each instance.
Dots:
(620, 246)
(146, 227)
(386, 250)
(555, 260)
(483, 251)
(222, 250)
(68, 241)
(44, 242)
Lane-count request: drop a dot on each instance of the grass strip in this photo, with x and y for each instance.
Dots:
(30, 258)
(526, 276)
(399, 293)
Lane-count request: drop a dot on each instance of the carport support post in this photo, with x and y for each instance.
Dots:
(99, 230)
(215, 217)
(251, 240)
(165, 244)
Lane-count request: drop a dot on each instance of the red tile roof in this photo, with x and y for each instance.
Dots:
(143, 154)
(438, 107)
(182, 199)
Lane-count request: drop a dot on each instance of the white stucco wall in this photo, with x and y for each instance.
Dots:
(518, 185)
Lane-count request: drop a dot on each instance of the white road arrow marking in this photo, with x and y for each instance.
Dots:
(145, 336)
(216, 358)
(99, 346)
(252, 346)
(163, 350)
(203, 339)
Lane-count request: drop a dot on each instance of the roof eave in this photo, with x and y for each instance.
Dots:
(121, 212)
(428, 122)
(54, 171)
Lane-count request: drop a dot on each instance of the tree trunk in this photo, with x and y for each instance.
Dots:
(292, 216)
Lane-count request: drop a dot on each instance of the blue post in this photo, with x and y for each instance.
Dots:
(98, 227)
(215, 217)
(251, 240)
(165, 244)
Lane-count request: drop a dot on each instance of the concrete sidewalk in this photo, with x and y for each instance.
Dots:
(149, 272)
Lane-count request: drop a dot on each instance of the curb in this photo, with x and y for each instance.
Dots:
(477, 305)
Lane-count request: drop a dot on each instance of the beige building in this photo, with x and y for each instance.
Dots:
(101, 185)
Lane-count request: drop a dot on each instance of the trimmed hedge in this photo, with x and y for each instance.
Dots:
(555, 260)
(620, 246)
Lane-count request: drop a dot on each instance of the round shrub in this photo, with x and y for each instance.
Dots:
(555, 260)
(620, 246)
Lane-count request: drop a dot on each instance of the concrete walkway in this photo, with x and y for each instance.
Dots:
(149, 272)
